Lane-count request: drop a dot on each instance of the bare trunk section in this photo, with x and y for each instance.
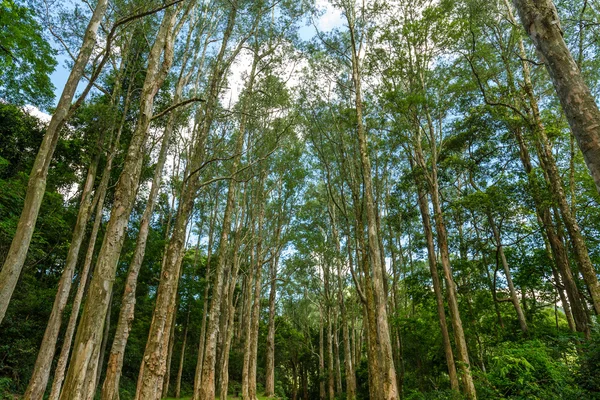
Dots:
(110, 388)
(99, 197)
(231, 306)
(542, 24)
(437, 286)
(387, 371)
(36, 187)
(459, 335)
(78, 383)
(41, 370)
(511, 287)
(182, 356)
(321, 356)
(270, 356)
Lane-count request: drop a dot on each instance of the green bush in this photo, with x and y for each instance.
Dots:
(527, 371)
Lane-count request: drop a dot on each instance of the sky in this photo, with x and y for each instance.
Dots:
(329, 19)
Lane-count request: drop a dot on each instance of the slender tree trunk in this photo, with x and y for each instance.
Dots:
(321, 356)
(270, 356)
(256, 302)
(459, 335)
(89, 335)
(511, 287)
(36, 187)
(104, 344)
(542, 24)
(110, 389)
(182, 356)
(41, 370)
(388, 373)
(99, 198)
(330, 361)
(437, 286)
(336, 358)
(167, 377)
(231, 304)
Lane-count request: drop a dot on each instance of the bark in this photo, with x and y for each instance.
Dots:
(459, 335)
(321, 356)
(182, 357)
(79, 383)
(104, 343)
(252, 361)
(110, 388)
(36, 187)
(41, 370)
(167, 377)
(99, 198)
(270, 356)
(330, 333)
(231, 306)
(542, 24)
(547, 159)
(387, 371)
(207, 279)
(437, 286)
(511, 287)
(336, 358)
(348, 362)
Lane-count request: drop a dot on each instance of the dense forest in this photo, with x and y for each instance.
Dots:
(296, 199)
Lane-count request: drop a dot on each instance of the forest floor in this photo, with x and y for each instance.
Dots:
(260, 397)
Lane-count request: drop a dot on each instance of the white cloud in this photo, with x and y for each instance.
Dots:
(39, 114)
(331, 18)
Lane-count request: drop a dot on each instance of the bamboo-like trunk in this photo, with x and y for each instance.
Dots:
(36, 187)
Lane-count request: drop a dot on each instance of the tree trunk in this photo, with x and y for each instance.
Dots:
(542, 24)
(511, 287)
(153, 369)
(89, 335)
(182, 357)
(99, 198)
(41, 370)
(459, 335)
(104, 344)
(437, 286)
(388, 373)
(321, 356)
(110, 388)
(36, 187)
(270, 356)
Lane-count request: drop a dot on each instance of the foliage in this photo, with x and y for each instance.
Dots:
(26, 59)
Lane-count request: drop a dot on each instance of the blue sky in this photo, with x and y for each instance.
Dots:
(331, 18)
